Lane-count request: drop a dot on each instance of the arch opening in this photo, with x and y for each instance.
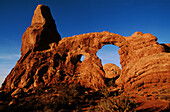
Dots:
(82, 58)
(77, 59)
(109, 54)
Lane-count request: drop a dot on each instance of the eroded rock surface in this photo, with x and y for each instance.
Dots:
(111, 70)
(147, 71)
(41, 33)
(47, 60)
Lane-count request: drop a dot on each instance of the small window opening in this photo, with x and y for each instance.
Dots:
(82, 58)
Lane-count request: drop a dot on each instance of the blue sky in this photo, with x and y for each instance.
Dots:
(74, 17)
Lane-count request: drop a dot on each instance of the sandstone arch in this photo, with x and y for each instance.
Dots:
(88, 45)
(145, 63)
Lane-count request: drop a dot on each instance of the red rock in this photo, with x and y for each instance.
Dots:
(147, 69)
(111, 70)
(46, 60)
(42, 31)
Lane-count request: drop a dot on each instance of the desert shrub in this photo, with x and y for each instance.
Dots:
(116, 104)
(63, 96)
(104, 92)
(113, 103)
(110, 82)
(70, 96)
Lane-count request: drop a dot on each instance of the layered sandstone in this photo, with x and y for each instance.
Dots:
(147, 72)
(47, 60)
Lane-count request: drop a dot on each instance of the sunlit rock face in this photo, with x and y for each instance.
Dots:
(111, 70)
(146, 74)
(41, 33)
(46, 60)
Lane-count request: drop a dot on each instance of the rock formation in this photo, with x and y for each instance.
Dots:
(41, 33)
(146, 73)
(111, 70)
(47, 60)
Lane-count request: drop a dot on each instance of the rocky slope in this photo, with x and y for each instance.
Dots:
(47, 60)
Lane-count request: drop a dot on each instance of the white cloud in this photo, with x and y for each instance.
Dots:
(2, 78)
(3, 74)
(9, 56)
(7, 62)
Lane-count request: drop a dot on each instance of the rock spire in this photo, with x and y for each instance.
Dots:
(42, 31)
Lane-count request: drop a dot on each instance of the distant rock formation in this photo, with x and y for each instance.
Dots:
(111, 70)
(47, 60)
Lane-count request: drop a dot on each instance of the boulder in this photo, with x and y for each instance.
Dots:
(111, 70)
